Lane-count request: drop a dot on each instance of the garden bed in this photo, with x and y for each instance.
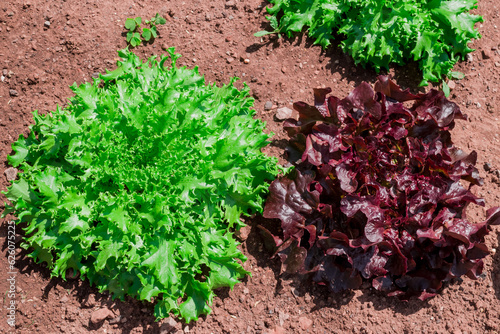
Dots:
(46, 46)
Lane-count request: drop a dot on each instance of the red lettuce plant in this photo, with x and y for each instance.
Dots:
(379, 193)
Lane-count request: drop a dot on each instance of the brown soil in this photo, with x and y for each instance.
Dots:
(40, 62)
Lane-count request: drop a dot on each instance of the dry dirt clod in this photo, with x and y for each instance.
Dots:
(64, 299)
(11, 173)
(277, 330)
(486, 54)
(13, 92)
(100, 315)
(305, 323)
(283, 317)
(230, 4)
(90, 301)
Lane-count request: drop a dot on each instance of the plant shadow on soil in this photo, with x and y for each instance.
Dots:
(321, 296)
(408, 76)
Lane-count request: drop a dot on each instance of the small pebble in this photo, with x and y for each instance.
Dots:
(283, 113)
(487, 166)
(470, 58)
(13, 92)
(11, 173)
(246, 61)
(305, 323)
(268, 105)
(229, 60)
(47, 24)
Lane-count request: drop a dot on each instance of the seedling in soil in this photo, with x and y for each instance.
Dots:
(134, 27)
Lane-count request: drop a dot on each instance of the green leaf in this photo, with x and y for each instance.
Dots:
(130, 35)
(138, 21)
(446, 89)
(108, 249)
(160, 19)
(263, 33)
(146, 34)
(196, 302)
(18, 190)
(21, 152)
(154, 31)
(74, 223)
(117, 216)
(130, 24)
(162, 261)
(136, 39)
(225, 272)
(457, 75)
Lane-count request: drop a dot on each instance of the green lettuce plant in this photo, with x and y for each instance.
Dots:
(435, 33)
(139, 183)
